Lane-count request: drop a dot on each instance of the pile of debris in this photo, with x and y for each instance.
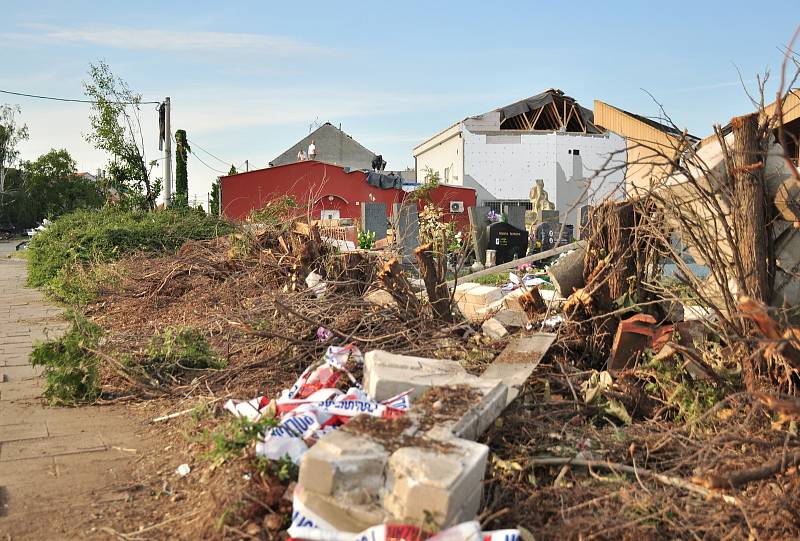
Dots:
(627, 415)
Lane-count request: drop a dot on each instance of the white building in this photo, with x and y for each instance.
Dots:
(501, 154)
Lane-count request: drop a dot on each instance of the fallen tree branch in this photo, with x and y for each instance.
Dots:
(742, 477)
(661, 478)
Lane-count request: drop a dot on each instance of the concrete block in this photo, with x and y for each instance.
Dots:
(346, 466)
(387, 374)
(330, 511)
(436, 483)
(469, 310)
(484, 295)
(380, 297)
(494, 329)
(461, 290)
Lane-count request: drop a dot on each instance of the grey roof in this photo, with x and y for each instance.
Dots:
(333, 146)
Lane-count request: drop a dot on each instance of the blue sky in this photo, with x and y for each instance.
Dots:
(247, 79)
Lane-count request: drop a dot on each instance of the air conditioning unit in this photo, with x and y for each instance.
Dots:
(456, 207)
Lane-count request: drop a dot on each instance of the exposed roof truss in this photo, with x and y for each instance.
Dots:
(549, 111)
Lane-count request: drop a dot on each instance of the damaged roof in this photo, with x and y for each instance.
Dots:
(551, 110)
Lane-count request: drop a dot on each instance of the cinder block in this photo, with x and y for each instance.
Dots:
(494, 329)
(483, 295)
(387, 374)
(440, 484)
(347, 465)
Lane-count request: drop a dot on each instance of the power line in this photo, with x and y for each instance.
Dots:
(207, 152)
(78, 101)
(204, 163)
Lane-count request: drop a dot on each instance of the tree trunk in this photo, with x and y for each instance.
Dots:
(749, 224)
(432, 273)
(610, 241)
(749, 207)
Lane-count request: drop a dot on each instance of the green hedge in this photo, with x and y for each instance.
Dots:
(101, 236)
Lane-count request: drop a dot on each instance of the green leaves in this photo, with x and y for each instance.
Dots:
(116, 129)
(179, 349)
(70, 369)
(102, 236)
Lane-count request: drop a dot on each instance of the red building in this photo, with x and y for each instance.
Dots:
(330, 191)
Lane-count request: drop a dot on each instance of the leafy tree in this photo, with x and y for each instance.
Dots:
(117, 129)
(11, 134)
(181, 175)
(16, 210)
(213, 203)
(54, 187)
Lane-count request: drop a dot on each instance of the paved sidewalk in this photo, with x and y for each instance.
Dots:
(57, 465)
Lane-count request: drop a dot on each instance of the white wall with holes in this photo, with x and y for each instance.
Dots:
(507, 165)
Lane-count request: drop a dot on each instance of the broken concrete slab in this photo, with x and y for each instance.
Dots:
(511, 319)
(333, 513)
(432, 476)
(566, 274)
(526, 349)
(494, 329)
(517, 362)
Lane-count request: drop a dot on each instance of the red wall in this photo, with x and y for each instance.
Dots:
(327, 187)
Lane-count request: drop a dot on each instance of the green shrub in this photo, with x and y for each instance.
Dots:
(236, 435)
(179, 349)
(70, 370)
(101, 236)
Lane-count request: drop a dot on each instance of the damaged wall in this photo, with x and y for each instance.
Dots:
(507, 168)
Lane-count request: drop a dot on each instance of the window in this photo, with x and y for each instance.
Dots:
(575, 152)
(446, 175)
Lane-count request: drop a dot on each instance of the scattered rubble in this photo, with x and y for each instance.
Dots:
(595, 399)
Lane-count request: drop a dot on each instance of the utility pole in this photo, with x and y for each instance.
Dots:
(247, 165)
(167, 154)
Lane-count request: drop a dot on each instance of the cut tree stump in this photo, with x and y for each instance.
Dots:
(432, 271)
(395, 282)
